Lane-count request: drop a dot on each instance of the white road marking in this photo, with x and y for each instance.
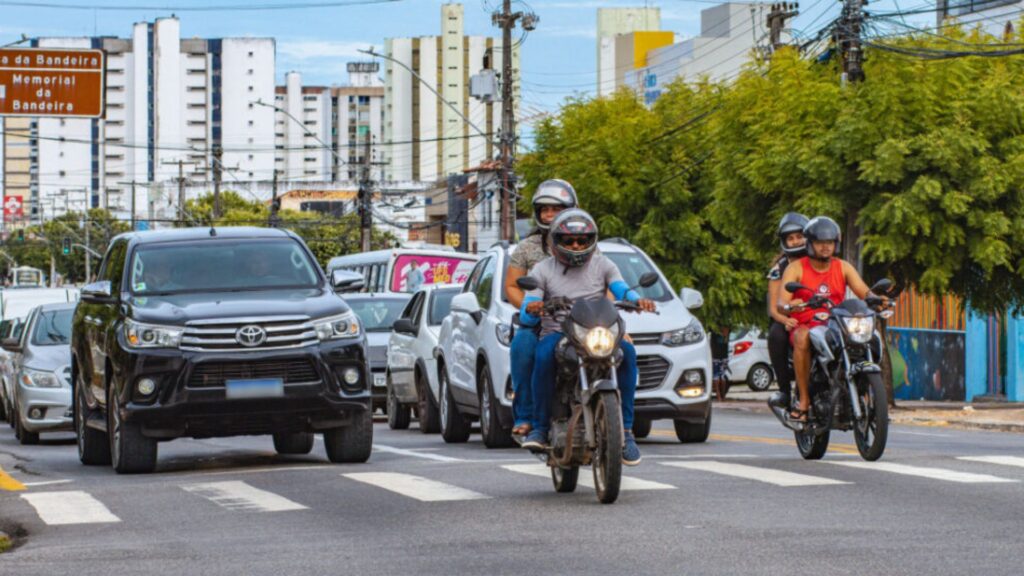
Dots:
(415, 487)
(923, 472)
(767, 475)
(70, 507)
(237, 495)
(414, 454)
(44, 483)
(587, 479)
(696, 456)
(260, 470)
(922, 433)
(1001, 460)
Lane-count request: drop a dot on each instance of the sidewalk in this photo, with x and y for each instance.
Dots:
(999, 416)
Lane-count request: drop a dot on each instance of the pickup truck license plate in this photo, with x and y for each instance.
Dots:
(259, 388)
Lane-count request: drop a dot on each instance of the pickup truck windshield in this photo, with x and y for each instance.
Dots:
(228, 265)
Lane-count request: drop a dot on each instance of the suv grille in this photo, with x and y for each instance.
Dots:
(643, 339)
(653, 370)
(220, 334)
(213, 374)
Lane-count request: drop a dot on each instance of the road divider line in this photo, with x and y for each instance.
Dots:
(841, 448)
(587, 479)
(46, 483)
(8, 483)
(237, 495)
(415, 487)
(414, 454)
(69, 507)
(1001, 460)
(923, 472)
(766, 475)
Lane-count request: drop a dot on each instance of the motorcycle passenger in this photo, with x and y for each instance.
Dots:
(551, 198)
(576, 270)
(793, 244)
(824, 275)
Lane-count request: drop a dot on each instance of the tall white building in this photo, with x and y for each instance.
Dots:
(997, 17)
(424, 139)
(614, 22)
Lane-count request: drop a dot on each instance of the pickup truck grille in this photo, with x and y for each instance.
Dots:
(220, 335)
(653, 370)
(214, 374)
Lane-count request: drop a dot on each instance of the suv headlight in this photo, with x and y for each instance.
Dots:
(342, 326)
(141, 335)
(860, 328)
(692, 334)
(39, 379)
(504, 333)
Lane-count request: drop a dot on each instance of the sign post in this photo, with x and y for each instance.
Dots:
(46, 83)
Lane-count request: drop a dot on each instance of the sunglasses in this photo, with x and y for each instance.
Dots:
(580, 241)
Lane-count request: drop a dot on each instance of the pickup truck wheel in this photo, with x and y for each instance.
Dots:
(426, 408)
(398, 416)
(454, 428)
(93, 447)
(293, 442)
(130, 451)
(351, 444)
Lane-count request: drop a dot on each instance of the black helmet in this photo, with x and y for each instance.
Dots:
(553, 193)
(791, 222)
(573, 224)
(822, 229)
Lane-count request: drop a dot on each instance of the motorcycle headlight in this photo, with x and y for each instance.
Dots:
(343, 326)
(692, 334)
(141, 335)
(504, 333)
(860, 328)
(39, 379)
(599, 342)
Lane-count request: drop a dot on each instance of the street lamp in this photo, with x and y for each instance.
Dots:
(303, 126)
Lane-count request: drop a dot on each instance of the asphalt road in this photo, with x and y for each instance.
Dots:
(743, 503)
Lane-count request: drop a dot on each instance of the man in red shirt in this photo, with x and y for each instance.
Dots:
(823, 275)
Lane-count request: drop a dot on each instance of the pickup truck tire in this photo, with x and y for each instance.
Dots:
(351, 444)
(93, 446)
(293, 442)
(130, 451)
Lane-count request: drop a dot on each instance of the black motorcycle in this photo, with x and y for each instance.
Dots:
(846, 387)
(586, 417)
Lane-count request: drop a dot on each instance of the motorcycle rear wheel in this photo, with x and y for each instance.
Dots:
(565, 479)
(607, 460)
(872, 431)
(812, 446)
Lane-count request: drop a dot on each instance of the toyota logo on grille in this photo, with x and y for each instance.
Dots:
(251, 335)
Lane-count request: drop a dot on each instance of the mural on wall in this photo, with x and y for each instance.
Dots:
(412, 272)
(927, 365)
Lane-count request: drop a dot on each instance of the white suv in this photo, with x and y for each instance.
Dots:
(673, 354)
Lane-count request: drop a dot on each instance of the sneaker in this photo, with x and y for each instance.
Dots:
(536, 441)
(630, 451)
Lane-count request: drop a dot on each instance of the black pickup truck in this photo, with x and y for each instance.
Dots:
(208, 332)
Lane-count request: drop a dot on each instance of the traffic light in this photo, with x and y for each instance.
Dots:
(66, 246)
(21, 234)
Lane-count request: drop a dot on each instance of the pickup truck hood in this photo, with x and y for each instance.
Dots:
(178, 309)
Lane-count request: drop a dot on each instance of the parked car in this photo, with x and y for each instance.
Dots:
(673, 355)
(412, 368)
(207, 332)
(748, 359)
(378, 313)
(42, 362)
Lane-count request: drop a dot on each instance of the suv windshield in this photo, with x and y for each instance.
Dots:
(53, 327)
(441, 305)
(378, 314)
(221, 266)
(632, 265)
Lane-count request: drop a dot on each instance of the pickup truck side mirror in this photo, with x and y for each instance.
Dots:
(97, 291)
(11, 344)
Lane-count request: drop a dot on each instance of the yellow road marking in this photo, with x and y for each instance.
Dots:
(840, 448)
(8, 483)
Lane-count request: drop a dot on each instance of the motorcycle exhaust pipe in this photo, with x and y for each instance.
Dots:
(780, 413)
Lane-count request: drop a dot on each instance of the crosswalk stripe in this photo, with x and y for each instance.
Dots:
(767, 475)
(1001, 460)
(586, 479)
(923, 472)
(237, 495)
(69, 507)
(416, 487)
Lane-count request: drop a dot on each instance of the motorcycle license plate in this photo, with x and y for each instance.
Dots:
(257, 388)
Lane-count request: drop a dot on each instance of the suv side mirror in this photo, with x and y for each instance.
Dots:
(347, 281)
(97, 291)
(467, 303)
(404, 326)
(692, 299)
(11, 344)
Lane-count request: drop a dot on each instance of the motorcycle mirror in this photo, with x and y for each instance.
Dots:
(648, 279)
(883, 286)
(527, 283)
(792, 287)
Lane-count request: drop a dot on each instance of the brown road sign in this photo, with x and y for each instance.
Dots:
(51, 83)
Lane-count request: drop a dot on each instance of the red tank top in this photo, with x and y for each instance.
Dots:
(830, 284)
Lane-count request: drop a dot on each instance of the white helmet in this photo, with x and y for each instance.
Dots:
(553, 192)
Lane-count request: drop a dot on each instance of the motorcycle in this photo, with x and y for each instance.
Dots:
(846, 387)
(586, 417)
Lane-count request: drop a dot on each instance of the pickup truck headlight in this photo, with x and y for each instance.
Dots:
(39, 379)
(343, 326)
(141, 335)
(692, 334)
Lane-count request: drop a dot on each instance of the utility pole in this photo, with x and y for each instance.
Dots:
(181, 190)
(275, 204)
(217, 153)
(88, 256)
(365, 190)
(777, 22)
(849, 41)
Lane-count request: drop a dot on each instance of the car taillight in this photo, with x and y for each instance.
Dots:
(741, 347)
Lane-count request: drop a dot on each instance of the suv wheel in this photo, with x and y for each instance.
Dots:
(398, 415)
(93, 447)
(293, 442)
(693, 433)
(130, 451)
(351, 444)
(426, 408)
(642, 427)
(454, 428)
(490, 424)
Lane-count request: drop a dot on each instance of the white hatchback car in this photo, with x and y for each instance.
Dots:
(673, 354)
(412, 368)
(748, 359)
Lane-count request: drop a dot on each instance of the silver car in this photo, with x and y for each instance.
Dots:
(41, 360)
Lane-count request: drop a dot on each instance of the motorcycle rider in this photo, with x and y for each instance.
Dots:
(791, 239)
(574, 271)
(551, 198)
(822, 274)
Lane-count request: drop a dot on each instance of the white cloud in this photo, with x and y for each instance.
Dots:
(589, 32)
(304, 50)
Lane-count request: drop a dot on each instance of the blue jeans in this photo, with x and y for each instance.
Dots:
(544, 381)
(524, 346)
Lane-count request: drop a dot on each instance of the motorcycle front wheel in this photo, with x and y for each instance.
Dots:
(565, 479)
(607, 460)
(872, 430)
(812, 446)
